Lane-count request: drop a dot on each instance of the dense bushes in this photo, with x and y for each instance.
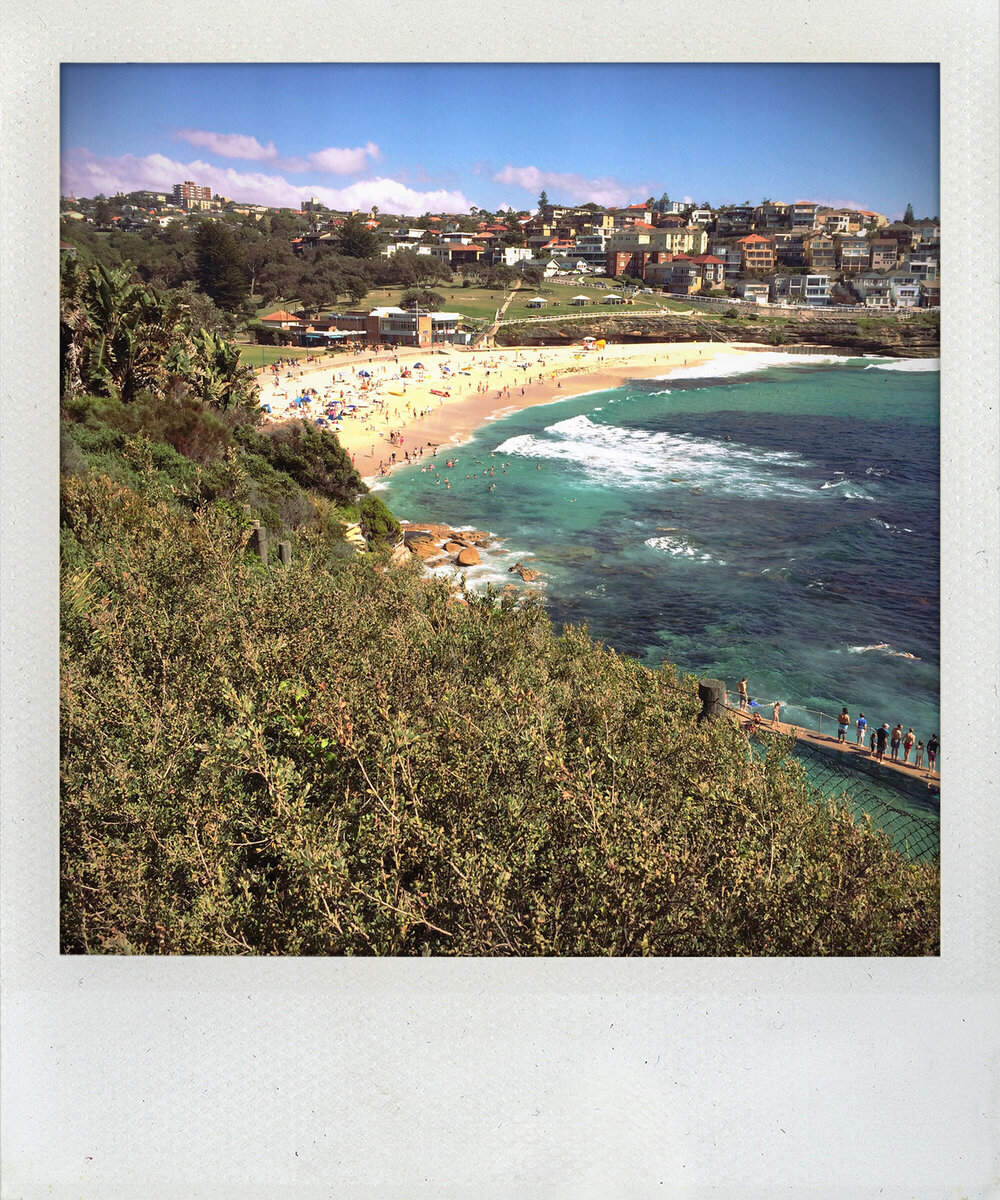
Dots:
(378, 524)
(339, 758)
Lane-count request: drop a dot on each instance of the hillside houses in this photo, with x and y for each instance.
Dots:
(681, 248)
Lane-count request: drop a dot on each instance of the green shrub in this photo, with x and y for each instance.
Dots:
(342, 758)
(378, 524)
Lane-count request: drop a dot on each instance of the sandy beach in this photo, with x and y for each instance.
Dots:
(456, 391)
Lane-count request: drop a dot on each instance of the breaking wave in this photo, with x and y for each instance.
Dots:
(681, 548)
(724, 366)
(907, 364)
(625, 457)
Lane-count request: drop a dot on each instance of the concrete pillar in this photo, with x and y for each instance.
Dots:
(712, 694)
(285, 553)
(258, 542)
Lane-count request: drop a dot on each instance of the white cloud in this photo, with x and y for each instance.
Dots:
(344, 162)
(87, 174)
(229, 145)
(567, 187)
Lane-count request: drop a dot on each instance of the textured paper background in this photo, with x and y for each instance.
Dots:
(692, 1078)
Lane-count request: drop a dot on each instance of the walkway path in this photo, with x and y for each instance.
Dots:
(856, 757)
(487, 335)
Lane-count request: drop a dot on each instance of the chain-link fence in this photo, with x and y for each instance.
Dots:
(916, 836)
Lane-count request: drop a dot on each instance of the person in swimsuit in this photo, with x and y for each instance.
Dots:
(744, 695)
(908, 745)
(897, 737)
(843, 721)
(920, 755)
(932, 749)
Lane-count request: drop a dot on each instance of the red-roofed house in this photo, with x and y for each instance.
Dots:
(756, 253)
(281, 320)
(713, 270)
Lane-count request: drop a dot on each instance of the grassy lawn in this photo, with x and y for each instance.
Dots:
(257, 356)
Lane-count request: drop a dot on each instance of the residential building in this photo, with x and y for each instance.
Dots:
(734, 219)
(669, 206)
(820, 251)
(802, 214)
(816, 290)
(684, 278)
(930, 295)
(928, 230)
(753, 290)
(731, 258)
(188, 194)
(872, 220)
(702, 216)
(771, 215)
(874, 288)
(789, 248)
(904, 235)
(906, 294)
(922, 265)
(884, 253)
(712, 270)
(800, 289)
(852, 253)
(757, 253)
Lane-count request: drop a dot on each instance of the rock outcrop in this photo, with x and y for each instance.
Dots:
(907, 337)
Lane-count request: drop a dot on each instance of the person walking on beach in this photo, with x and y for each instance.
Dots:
(843, 721)
(882, 735)
(932, 749)
(897, 737)
(862, 726)
(908, 745)
(744, 696)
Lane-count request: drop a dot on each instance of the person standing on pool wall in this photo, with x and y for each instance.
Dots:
(744, 695)
(862, 726)
(843, 721)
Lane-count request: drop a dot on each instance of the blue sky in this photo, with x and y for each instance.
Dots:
(412, 138)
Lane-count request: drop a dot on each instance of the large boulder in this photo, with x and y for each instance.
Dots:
(454, 547)
(468, 557)
(424, 548)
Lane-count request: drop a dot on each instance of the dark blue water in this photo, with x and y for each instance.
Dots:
(781, 524)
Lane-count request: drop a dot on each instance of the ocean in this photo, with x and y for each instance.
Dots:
(768, 515)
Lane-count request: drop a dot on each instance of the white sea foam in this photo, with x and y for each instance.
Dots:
(845, 494)
(892, 528)
(617, 457)
(681, 548)
(881, 648)
(907, 364)
(726, 365)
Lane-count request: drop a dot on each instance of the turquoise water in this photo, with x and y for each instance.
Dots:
(780, 522)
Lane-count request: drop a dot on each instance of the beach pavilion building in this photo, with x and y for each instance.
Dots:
(579, 301)
(536, 302)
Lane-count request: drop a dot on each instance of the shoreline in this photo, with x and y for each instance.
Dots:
(481, 386)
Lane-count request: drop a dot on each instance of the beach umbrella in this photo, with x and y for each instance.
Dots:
(419, 367)
(365, 373)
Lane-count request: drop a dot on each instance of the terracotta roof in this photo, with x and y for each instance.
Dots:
(707, 258)
(753, 237)
(642, 225)
(280, 315)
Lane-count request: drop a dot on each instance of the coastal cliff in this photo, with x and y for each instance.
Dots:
(913, 337)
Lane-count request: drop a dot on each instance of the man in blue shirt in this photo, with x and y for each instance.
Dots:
(862, 726)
